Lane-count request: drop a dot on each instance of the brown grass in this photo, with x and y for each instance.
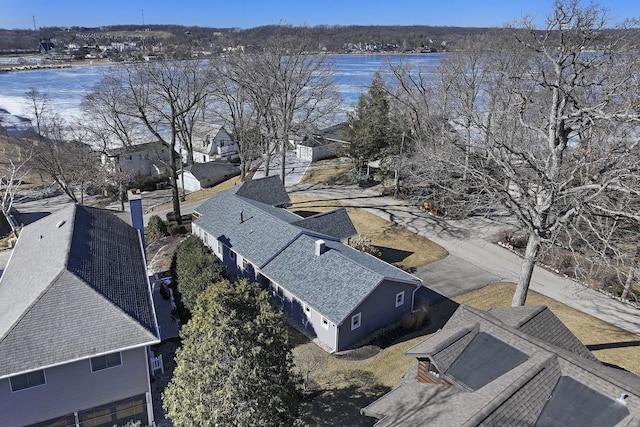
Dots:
(202, 194)
(326, 171)
(349, 385)
(399, 246)
(625, 346)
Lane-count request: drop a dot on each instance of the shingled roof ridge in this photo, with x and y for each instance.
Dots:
(460, 333)
(593, 367)
(504, 395)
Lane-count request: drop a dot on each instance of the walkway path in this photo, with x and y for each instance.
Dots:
(470, 241)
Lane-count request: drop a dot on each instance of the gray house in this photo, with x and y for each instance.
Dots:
(336, 293)
(515, 366)
(76, 320)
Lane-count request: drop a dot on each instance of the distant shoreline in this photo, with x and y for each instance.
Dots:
(12, 68)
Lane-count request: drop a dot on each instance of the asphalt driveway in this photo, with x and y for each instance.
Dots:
(450, 277)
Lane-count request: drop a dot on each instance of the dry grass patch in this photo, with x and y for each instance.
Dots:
(623, 347)
(399, 246)
(327, 171)
(202, 194)
(346, 386)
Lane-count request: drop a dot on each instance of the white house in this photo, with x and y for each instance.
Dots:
(210, 142)
(148, 159)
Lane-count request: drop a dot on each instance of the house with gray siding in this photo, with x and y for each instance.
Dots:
(76, 321)
(337, 294)
(511, 366)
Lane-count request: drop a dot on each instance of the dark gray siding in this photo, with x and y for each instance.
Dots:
(377, 311)
(74, 387)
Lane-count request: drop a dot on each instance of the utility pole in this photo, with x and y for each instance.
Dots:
(34, 23)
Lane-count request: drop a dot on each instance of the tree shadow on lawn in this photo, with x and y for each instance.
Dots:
(340, 406)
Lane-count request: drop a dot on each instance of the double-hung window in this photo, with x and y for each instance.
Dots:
(399, 299)
(356, 321)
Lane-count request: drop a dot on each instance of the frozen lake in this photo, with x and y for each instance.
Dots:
(66, 87)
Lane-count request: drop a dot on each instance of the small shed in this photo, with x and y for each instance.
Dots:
(202, 175)
(322, 144)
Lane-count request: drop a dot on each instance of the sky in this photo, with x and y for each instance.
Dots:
(253, 13)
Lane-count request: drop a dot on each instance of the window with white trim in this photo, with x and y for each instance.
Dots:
(356, 321)
(325, 323)
(99, 363)
(28, 380)
(245, 265)
(399, 299)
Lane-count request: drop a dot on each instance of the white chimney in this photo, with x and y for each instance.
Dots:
(320, 247)
(623, 398)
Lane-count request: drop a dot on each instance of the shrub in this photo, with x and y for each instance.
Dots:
(194, 269)
(416, 320)
(173, 228)
(171, 216)
(156, 228)
(363, 244)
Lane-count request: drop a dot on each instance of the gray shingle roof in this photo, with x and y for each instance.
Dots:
(249, 228)
(268, 190)
(75, 286)
(540, 322)
(517, 397)
(272, 239)
(216, 170)
(334, 223)
(332, 283)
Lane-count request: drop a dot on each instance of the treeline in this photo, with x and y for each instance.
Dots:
(329, 38)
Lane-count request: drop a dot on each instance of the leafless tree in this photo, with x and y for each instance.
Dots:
(554, 137)
(56, 151)
(290, 91)
(232, 104)
(157, 98)
(14, 169)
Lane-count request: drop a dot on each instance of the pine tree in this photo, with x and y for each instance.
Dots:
(235, 367)
(369, 126)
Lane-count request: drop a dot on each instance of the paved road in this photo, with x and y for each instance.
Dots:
(474, 260)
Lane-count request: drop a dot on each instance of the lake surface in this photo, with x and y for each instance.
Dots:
(66, 87)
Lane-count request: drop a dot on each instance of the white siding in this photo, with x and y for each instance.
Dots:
(74, 387)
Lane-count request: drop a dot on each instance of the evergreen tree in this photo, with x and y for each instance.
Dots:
(235, 364)
(369, 126)
(194, 269)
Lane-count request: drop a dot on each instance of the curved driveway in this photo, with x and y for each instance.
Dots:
(475, 261)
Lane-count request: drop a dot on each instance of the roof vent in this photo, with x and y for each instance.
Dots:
(60, 223)
(320, 247)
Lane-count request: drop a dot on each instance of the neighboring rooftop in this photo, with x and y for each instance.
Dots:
(491, 373)
(216, 170)
(89, 294)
